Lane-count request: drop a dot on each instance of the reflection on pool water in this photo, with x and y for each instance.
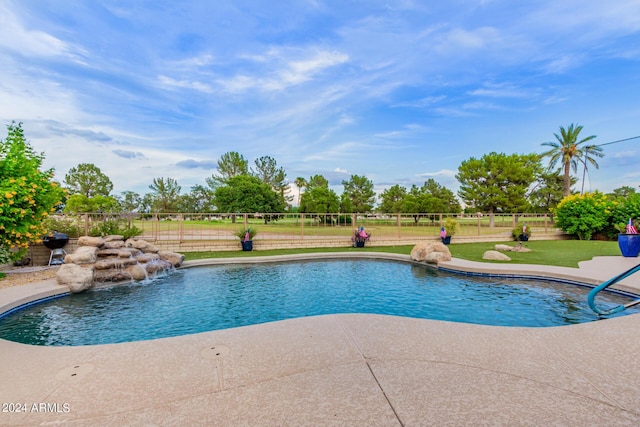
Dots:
(219, 297)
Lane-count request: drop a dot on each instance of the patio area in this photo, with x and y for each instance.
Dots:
(347, 369)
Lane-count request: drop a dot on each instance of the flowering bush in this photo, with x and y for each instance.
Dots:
(584, 215)
(27, 194)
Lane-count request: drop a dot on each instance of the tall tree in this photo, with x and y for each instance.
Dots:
(87, 179)
(301, 183)
(165, 194)
(27, 194)
(392, 199)
(359, 189)
(317, 181)
(130, 201)
(547, 191)
(444, 201)
(199, 199)
(568, 151)
(268, 171)
(497, 181)
(230, 164)
(318, 197)
(247, 194)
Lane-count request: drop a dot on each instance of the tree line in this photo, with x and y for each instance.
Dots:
(496, 182)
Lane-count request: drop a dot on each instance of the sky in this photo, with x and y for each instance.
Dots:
(398, 91)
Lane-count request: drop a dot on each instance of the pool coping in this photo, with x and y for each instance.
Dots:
(338, 369)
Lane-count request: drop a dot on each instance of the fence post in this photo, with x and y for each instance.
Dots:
(86, 224)
(156, 223)
(301, 225)
(180, 227)
(399, 222)
(479, 217)
(513, 221)
(545, 223)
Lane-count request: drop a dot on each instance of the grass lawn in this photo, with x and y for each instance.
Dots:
(566, 253)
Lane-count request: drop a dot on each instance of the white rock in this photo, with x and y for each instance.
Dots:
(495, 256)
(423, 250)
(82, 255)
(77, 278)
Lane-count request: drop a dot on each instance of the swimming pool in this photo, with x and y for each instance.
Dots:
(218, 297)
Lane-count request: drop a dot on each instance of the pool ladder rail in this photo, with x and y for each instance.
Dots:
(591, 298)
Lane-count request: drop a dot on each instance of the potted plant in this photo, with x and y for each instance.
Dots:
(521, 234)
(359, 237)
(449, 228)
(246, 236)
(629, 239)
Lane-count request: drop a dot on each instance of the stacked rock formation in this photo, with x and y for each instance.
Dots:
(112, 259)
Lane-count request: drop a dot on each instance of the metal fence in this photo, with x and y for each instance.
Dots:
(307, 226)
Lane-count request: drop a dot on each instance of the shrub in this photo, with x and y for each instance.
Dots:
(517, 232)
(345, 220)
(114, 226)
(62, 225)
(27, 194)
(451, 226)
(584, 215)
(242, 232)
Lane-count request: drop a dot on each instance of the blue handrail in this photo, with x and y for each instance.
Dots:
(592, 295)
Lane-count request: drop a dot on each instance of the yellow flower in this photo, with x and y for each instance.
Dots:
(8, 195)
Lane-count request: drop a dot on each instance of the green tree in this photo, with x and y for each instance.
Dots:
(247, 194)
(443, 199)
(165, 195)
(87, 179)
(392, 199)
(130, 201)
(568, 151)
(497, 181)
(230, 164)
(547, 191)
(317, 181)
(621, 193)
(318, 197)
(359, 189)
(199, 199)
(79, 203)
(27, 194)
(268, 171)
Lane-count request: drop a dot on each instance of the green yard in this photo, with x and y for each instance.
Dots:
(565, 253)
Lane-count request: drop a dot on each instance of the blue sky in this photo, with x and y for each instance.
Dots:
(397, 91)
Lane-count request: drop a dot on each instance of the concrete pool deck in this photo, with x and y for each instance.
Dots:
(349, 369)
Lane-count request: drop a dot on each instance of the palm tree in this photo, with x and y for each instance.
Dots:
(300, 182)
(569, 152)
(596, 151)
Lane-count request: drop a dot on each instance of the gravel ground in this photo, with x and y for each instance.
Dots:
(23, 275)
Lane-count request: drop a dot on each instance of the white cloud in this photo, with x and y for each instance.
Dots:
(169, 83)
(441, 172)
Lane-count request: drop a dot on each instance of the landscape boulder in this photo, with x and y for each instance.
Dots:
(76, 277)
(90, 241)
(495, 256)
(432, 252)
(82, 255)
(502, 248)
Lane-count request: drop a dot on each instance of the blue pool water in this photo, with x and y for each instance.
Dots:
(209, 298)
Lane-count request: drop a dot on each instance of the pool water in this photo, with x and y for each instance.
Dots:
(218, 297)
